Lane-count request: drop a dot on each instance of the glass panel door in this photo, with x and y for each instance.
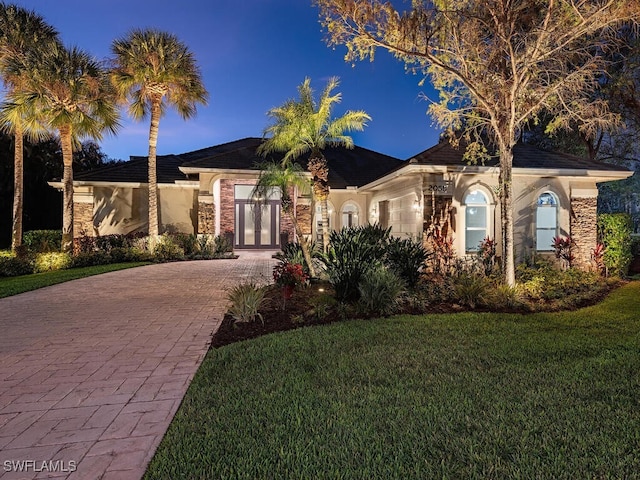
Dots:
(249, 225)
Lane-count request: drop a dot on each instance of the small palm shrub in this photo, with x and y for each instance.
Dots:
(292, 253)
(380, 291)
(245, 301)
(503, 296)
(406, 258)
(45, 262)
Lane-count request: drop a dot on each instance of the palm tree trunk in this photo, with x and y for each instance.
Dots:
(303, 243)
(320, 172)
(67, 189)
(18, 190)
(153, 180)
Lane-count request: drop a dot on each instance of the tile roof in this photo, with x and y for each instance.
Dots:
(524, 156)
(354, 167)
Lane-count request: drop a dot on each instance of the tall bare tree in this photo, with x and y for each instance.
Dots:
(24, 38)
(154, 70)
(495, 63)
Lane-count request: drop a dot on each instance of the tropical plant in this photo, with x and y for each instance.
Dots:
(353, 252)
(290, 180)
(380, 290)
(24, 38)
(246, 300)
(306, 126)
(597, 257)
(406, 258)
(487, 255)
(154, 70)
(71, 93)
(562, 247)
(288, 274)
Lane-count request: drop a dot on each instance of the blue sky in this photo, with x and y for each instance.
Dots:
(252, 54)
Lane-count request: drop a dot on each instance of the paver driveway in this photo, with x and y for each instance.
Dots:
(93, 370)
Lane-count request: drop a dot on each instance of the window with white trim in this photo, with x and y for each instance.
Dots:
(476, 220)
(546, 221)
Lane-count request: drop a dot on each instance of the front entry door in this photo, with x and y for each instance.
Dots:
(257, 227)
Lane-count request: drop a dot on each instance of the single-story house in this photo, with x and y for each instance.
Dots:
(208, 191)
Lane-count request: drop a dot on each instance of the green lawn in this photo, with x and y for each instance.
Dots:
(544, 396)
(14, 285)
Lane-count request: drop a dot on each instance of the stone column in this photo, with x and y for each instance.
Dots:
(83, 214)
(206, 215)
(583, 230)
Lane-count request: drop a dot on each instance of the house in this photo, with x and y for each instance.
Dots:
(208, 192)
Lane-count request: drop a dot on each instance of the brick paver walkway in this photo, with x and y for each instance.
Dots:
(93, 370)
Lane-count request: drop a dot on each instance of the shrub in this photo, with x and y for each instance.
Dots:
(353, 252)
(501, 296)
(188, 242)
(107, 243)
(245, 300)
(12, 266)
(45, 262)
(471, 290)
(205, 247)
(406, 258)
(289, 274)
(562, 247)
(380, 290)
(614, 231)
(221, 245)
(487, 255)
(167, 250)
(89, 259)
(443, 255)
(42, 241)
(292, 252)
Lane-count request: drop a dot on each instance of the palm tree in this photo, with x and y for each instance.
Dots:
(24, 35)
(73, 94)
(153, 70)
(288, 178)
(304, 125)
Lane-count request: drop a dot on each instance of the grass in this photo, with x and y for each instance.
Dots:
(25, 283)
(470, 395)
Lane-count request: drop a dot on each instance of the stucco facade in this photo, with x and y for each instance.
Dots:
(553, 195)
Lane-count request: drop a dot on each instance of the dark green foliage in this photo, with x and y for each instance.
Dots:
(221, 245)
(11, 266)
(542, 280)
(353, 252)
(614, 231)
(406, 258)
(42, 241)
(188, 242)
(167, 250)
(89, 259)
(471, 290)
(380, 290)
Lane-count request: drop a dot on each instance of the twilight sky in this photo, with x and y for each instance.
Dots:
(252, 55)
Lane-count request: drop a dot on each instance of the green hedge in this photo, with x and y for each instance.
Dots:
(614, 231)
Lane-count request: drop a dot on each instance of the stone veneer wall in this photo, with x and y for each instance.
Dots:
(206, 218)
(583, 230)
(227, 202)
(83, 219)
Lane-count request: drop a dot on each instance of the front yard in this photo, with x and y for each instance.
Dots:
(467, 395)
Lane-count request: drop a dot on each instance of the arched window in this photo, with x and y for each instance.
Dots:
(476, 220)
(349, 215)
(546, 221)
